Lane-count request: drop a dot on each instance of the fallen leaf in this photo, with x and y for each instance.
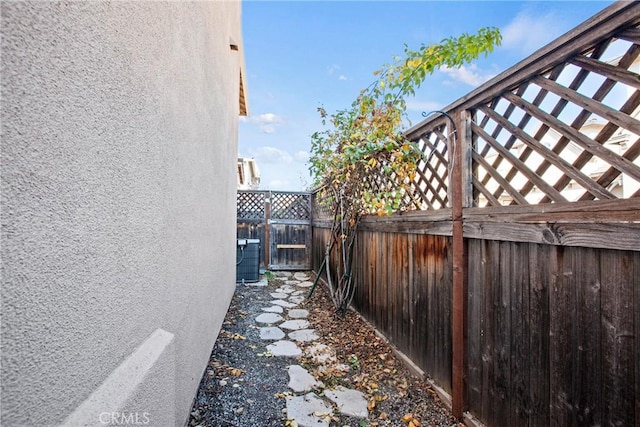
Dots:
(236, 372)
(371, 404)
(380, 397)
(383, 416)
(407, 418)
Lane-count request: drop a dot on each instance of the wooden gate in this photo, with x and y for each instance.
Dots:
(282, 222)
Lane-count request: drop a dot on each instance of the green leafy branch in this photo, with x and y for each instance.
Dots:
(362, 162)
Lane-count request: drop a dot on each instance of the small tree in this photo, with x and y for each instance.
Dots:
(363, 164)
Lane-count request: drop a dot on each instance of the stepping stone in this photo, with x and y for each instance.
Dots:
(284, 348)
(269, 318)
(278, 295)
(298, 313)
(299, 292)
(283, 303)
(304, 335)
(350, 402)
(301, 380)
(301, 276)
(291, 282)
(281, 273)
(271, 333)
(296, 299)
(273, 309)
(285, 289)
(261, 283)
(295, 324)
(305, 284)
(305, 410)
(321, 354)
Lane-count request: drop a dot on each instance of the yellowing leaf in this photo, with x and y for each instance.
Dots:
(407, 418)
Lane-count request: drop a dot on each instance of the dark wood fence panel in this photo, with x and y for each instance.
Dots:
(403, 289)
(290, 247)
(551, 334)
(552, 331)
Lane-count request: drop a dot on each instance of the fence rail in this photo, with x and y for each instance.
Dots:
(515, 285)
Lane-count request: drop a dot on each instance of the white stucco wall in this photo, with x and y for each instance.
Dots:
(118, 173)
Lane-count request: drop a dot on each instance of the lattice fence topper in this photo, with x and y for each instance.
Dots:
(292, 206)
(431, 182)
(251, 205)
(570, 133)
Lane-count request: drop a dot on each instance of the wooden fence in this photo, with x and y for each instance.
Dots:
(515, 285)
(281, 220)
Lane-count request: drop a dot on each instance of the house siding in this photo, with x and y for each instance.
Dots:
(118, 174)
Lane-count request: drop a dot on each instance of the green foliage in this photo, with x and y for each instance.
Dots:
(363, 154)
(362, 162)
(354, 362)
(269, 275)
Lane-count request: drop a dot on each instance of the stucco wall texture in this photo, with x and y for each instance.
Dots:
(119, 145)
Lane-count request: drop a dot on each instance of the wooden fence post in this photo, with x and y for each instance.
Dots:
(460, 197)
(267, 229)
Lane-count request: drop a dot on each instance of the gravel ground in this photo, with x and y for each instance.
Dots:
(244, 385)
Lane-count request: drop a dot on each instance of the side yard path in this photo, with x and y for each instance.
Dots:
(284, 360)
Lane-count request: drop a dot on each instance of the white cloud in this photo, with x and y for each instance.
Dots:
(301, 156)
(268, 118)
(267, 122)
(332, 68)
(267, 129)
(270, 155)
(530, 31)
(469, 75)
(426, 106)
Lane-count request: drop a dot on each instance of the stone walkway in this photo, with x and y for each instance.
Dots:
(284, 327)
(268, 365)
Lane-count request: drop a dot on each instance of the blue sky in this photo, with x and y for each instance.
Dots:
(301, 55)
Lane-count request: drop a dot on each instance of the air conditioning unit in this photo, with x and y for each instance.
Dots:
(248, 260)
